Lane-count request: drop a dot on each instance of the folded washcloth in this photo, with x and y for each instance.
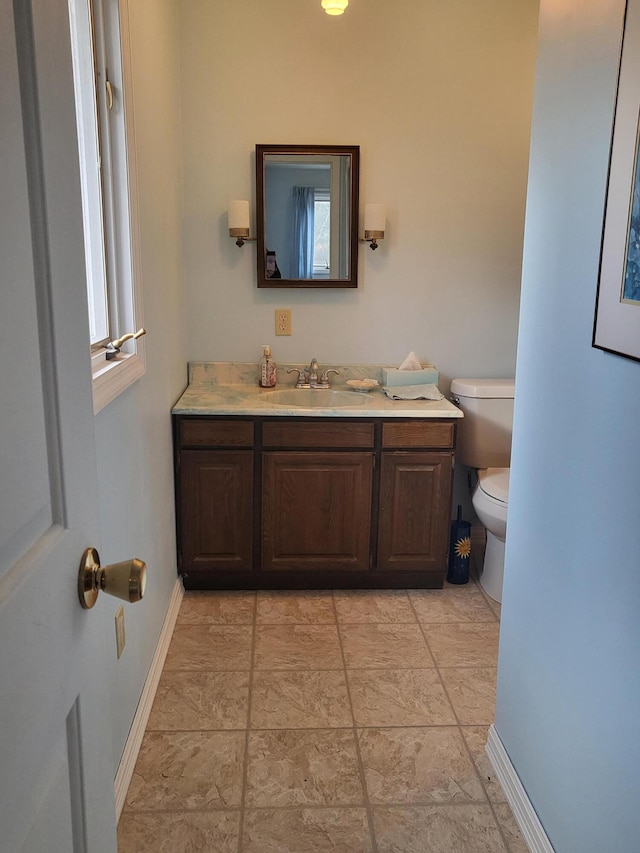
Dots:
(414, 392)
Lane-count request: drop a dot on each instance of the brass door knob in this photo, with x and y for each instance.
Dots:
(126, 580)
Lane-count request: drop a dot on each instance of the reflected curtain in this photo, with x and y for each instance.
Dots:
(302, 248)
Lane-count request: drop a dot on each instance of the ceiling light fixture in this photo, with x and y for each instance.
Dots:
(334, 7)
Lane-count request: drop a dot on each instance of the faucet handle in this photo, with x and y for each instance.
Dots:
(324, 379)
(302, 381)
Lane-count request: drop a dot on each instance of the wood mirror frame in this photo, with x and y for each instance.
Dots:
(338, 171)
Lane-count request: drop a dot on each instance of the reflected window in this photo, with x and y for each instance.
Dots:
(322, 234)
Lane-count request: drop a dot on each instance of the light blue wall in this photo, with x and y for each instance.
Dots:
(133, 433)
(438, 97)
(569, 670)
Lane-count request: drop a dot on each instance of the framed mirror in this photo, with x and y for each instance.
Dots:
(307, 215)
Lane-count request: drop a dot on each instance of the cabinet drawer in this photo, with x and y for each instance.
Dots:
(418, 434)
(314, 435)
(207, 432)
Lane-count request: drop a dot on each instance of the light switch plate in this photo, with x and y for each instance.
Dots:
(120, 638)
(283, 321)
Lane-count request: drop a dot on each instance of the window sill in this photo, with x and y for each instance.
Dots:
(111, 378)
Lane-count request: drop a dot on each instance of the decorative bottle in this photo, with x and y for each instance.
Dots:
(267, 369)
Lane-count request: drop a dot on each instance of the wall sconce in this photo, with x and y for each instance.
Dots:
(238, 219)
(126, 580)
(334, 7)
(375, 220)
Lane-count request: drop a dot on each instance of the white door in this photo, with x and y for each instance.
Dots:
(56, 779)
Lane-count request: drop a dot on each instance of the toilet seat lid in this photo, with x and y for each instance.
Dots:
(495, 483)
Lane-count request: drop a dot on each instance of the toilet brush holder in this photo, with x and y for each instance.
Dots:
(459, 550)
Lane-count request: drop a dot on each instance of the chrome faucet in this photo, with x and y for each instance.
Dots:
(313, 372)
(308, 377)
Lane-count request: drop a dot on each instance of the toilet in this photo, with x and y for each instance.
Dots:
(484, 444)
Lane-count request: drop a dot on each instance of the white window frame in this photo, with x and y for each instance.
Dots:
(119, 205)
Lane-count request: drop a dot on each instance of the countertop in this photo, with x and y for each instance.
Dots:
(230, 388)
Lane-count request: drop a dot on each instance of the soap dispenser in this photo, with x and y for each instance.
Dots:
(267, 369)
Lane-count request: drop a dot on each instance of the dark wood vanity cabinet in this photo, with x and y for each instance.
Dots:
(312, 503)
(316, 496)
(215, 486)
(415, 495)
(316, 511)
(216, 509)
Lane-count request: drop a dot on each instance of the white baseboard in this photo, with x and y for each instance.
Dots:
(136, 733)
(532, 830)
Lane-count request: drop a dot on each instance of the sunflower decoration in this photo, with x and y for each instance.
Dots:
(463, 547)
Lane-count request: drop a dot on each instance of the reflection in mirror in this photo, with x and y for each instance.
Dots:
(307, 207)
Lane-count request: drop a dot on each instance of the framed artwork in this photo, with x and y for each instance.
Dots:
(617, 316)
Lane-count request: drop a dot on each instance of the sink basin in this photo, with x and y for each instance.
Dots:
(315, 398)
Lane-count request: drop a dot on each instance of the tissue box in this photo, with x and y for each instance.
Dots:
(392, 377)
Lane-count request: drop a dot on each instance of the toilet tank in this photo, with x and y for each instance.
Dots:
(484, 434)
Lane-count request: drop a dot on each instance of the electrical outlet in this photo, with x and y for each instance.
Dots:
(283, 321)
(120, 638)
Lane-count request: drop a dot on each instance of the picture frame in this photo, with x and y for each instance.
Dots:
(616, 326)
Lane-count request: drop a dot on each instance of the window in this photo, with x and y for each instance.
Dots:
(321, 234)
(99, 49)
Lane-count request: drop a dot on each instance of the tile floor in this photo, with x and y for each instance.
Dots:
(319, 721)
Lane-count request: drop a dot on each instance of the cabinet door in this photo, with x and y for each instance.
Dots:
(415, 510)
(216, 501)
(316, 510)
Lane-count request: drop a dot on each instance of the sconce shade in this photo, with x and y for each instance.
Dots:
(238, 217)
(334, 7)
(375, 218)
